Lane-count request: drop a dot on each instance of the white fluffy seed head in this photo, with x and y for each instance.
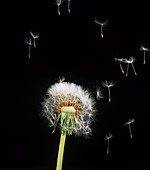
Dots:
(129, 122)
(118, 59)
(66, 94)
(28, 41)
(59, 2)
(108, 83)
(61, 79)
(101, 23)
(130, 60)
(108, 136)
(98, 93)
(34, 35)
(142, 48)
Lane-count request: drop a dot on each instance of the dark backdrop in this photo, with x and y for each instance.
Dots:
(70, 45)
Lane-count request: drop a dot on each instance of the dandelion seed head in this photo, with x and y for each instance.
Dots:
(142, 48)
(130, 60)
(108, 83)
(98, 93)
(28, 41)
(118, 59)
(59, 2)
(61, 79)
(129, 121)
(108, 136)
(101, 23)
(34, 35)
(69, 107)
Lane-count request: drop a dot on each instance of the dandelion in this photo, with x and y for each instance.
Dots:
(35, 36)
(29, 43)
(128, 123)
(70, 108)
(58, 3)
(144, 49)
(107, 138)
(130, 61)
(108, 84)
(102, 24)
(120, 60)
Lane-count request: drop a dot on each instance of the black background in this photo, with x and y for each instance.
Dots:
(70, 45)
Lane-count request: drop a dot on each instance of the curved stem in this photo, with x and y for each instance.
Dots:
(58, 10)
(29, 51)
(130, 131)
(108, 147)
(144, 57)
(109, 94)
(69, 6)
(121, 67)
(34, 43)
(134, 69)
(127, 69)
(61, 151)
(102, 31)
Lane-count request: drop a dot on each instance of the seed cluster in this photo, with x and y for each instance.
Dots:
(69, 107)
(69, 104)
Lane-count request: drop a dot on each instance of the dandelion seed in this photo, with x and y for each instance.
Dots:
(130, 61)
(35, 36)
(120, 60)
(108, 84)
(102, 24)
(71, 108)
(61, 79)
(68, 5)
(58, 3)
(98, 93)
(128, 123)
(144, 49)
(107, 138)
(29, 43)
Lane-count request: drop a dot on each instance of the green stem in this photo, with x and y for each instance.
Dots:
(61, 151)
